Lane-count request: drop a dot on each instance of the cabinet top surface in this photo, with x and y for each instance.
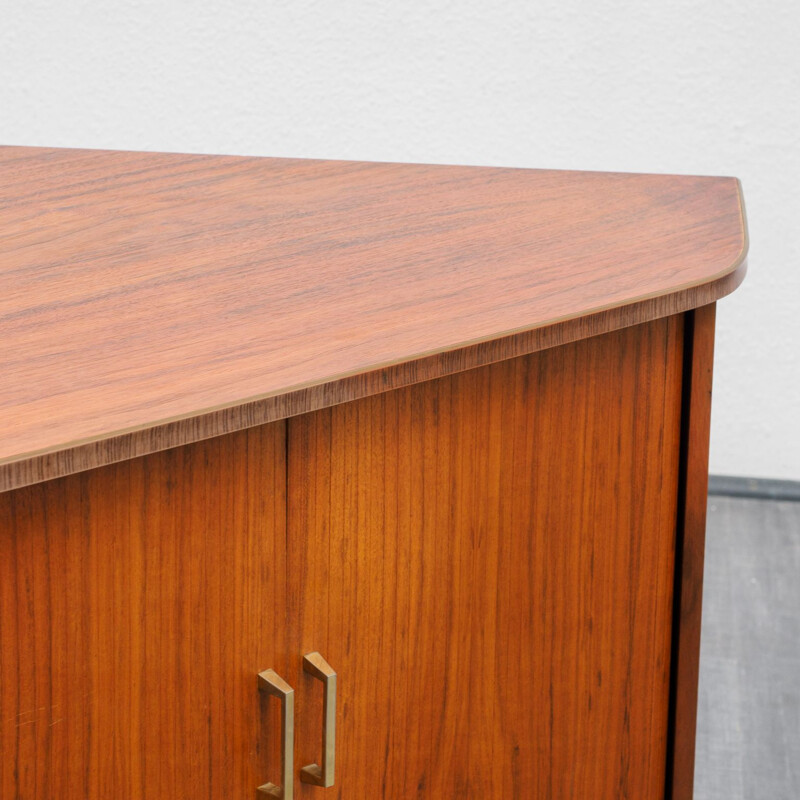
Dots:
(151, 299)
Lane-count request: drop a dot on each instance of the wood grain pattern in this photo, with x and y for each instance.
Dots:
(487, 560)
(691, 550)
(138, 602)
(149, 300)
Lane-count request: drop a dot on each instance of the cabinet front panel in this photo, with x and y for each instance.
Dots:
(487, 561)
(138, 602)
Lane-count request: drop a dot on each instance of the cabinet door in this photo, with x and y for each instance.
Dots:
(138, 602)
(487, 561)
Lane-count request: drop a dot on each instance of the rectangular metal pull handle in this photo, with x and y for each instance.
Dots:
(271, 683)
(314, 664)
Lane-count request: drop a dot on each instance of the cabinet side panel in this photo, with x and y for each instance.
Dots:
(487, 560)
(699, 360)
(138, 602)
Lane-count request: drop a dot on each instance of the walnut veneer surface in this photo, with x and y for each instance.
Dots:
(150, 300)
(447, 426)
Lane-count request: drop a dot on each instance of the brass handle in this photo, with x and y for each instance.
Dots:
(314, 664)
(271, 683)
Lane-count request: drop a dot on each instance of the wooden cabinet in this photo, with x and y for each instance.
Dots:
(446, 427)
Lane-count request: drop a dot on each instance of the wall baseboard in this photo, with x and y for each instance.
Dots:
(757, 488)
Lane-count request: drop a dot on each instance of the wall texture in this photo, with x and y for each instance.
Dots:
(681, 87)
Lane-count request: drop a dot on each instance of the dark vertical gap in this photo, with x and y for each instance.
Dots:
(287, 603)
(686, 397)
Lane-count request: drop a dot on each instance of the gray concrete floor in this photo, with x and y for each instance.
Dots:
(748, 745)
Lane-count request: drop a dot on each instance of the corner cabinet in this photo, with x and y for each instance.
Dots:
(333, 479)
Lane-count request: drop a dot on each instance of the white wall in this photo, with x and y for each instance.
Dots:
(683, 87)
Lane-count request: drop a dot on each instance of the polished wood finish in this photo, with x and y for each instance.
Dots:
(698, 370)
(149, 300)
(487, 561)
(445, 428)
(138, 602)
